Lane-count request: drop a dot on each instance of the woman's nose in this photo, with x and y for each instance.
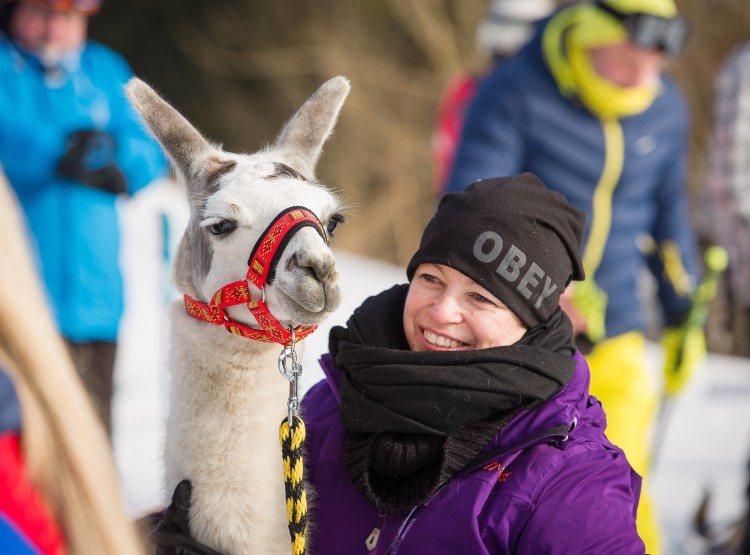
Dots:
(446, 309)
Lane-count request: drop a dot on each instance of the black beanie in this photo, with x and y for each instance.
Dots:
(511, 235)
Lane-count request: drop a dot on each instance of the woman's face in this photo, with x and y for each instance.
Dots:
(447, 311)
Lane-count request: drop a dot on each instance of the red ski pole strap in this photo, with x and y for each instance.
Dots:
(265, 255)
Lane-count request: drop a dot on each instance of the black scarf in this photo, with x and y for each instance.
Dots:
(416, 418)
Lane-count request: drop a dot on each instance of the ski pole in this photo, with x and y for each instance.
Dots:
(716, 260)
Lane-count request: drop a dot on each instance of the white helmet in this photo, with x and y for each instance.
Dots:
(508, 24)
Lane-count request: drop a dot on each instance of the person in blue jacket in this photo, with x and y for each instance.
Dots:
(587, 108)
(71, 145)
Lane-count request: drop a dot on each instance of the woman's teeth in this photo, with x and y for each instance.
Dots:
(439, 340)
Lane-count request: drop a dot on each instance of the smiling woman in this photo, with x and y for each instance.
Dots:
(455, 412)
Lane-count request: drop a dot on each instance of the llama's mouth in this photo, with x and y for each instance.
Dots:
(310, 309)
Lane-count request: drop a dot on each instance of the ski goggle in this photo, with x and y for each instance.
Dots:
(651, 31)
(87, 7)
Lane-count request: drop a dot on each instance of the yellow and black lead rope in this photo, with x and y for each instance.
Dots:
(296, 498)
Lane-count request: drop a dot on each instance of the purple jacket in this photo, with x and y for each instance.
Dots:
(551, 483)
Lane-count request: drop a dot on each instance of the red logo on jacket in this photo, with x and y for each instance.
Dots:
(502, 475)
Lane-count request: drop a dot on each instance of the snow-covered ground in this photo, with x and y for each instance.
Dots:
(705, 444)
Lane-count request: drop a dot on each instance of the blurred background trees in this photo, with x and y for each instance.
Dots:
(239, 68)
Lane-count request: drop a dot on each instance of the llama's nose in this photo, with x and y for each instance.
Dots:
(320, 265)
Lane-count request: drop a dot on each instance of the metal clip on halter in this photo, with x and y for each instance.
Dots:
(288, 353)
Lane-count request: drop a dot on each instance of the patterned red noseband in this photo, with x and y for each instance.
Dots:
(261, 272)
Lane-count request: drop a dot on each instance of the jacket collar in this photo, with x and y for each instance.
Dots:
(563, 410)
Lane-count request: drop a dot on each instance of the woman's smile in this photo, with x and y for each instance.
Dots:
(441, 341)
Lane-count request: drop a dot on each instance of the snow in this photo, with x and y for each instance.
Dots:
(705, 441)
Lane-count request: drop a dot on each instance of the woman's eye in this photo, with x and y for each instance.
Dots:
(333, 223)
(481, 298)
(428, 278)
(222, 227)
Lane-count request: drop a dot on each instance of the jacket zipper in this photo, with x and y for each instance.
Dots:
(406, 524)
(372, 540)
(547, 436)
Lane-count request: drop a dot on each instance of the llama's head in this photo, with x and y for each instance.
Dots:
(234, 197)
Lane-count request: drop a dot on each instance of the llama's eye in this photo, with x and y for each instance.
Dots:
(335, 220)
(222, 227)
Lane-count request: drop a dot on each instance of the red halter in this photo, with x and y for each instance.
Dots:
(261, 271)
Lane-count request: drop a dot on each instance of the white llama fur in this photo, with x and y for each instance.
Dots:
(227, 398)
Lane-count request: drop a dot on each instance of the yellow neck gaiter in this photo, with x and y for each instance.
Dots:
(564, 43)
(602, 97)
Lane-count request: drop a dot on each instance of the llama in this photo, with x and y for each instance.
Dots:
(226, 396)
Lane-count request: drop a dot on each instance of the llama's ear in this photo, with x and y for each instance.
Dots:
(301, 140)
(178, 138)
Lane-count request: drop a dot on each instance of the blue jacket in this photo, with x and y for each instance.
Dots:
(73, 227)
(551, 483)
(520, 122)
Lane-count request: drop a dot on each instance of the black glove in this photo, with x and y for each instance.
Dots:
(168, 532)
(89, 159)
